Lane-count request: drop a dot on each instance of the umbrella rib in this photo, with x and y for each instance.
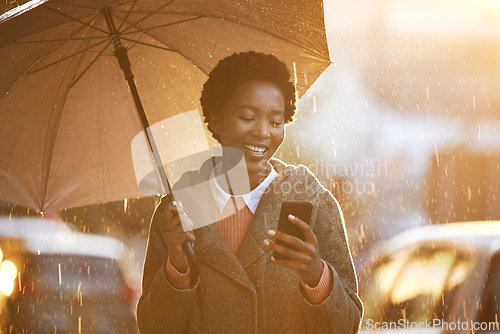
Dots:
(146, 44)
(202, 15)
(270, 34)
(65, 58)
(52, 140)
(163, 25)
(54, 49)
(76, 20)
(72, 5)
(152, 13)
(62, 40)
(145, 12)
(124, 3)
(156, 13)
(89, 65)
(178, 52)
(127, 15)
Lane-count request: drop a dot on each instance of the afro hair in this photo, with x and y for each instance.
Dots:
(240, 68)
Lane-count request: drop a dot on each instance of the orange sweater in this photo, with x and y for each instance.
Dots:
(233, 224)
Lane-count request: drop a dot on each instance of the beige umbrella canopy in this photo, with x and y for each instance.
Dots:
(67, 115)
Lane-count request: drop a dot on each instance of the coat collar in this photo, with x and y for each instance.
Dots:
(210, 245)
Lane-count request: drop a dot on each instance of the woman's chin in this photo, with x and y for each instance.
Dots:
(257, 167)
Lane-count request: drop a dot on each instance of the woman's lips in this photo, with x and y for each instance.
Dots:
(255, 150)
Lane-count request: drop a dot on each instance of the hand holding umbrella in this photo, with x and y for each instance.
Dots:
(175, 236)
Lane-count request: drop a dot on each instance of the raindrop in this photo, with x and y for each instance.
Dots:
(437, 155)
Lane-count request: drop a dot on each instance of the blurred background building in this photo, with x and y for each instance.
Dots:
(405, 128)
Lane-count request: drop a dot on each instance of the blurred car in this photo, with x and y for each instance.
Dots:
(435, 279)
(56, 280)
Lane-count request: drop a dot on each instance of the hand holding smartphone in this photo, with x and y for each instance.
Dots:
(301, 210)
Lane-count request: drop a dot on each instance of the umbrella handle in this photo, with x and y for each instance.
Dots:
(194, 265)
(187, 246)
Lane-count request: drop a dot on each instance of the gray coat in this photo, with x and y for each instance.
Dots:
(246, 292)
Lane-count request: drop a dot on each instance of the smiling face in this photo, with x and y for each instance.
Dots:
(252, 120)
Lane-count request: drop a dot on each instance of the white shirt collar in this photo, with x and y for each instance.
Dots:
(251, 199)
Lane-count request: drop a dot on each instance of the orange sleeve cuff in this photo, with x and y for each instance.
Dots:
(318, 293)
(178, 280)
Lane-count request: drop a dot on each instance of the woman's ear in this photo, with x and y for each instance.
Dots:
(214, 123)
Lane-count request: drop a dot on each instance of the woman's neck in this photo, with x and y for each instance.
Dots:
(234, 178)
(257, 178)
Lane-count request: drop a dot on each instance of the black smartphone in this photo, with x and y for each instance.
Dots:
(300, 209)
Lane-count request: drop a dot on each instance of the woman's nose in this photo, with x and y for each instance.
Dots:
(261, 129)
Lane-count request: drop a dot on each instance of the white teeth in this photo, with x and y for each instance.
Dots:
(255, 149)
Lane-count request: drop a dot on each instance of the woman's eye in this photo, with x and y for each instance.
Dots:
(276, 124)
(246, 119)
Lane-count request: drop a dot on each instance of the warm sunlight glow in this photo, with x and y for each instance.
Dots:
(9, 269)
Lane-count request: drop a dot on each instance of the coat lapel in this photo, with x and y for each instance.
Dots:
(211, 247)
(266, 217)
(252, 247)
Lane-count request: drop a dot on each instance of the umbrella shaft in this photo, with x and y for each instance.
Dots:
(120, 51)
(121, 54)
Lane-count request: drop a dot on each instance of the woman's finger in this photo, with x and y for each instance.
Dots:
(304, 227)
(190, 236)
(173, 217)
(285, 251)
(169, 210)
(175, 241)
(294, 265)
(179, 238)
(172, 225)
(289, 239)
(187, 224)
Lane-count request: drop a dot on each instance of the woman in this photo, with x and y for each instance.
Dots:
(242, 288)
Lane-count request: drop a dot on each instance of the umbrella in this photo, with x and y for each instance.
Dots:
(67, 115)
